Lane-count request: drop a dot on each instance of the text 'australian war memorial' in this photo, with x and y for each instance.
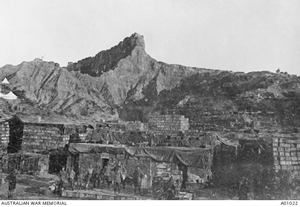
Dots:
(123, 126)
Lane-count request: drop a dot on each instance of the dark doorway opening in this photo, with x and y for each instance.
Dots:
(105, 162)
(57, 162)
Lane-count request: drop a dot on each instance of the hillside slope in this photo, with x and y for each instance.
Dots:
(125, 82)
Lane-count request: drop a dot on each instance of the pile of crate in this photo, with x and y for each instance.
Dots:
(163, 169)
(43, 137)
(286, 154)
(168, 124)
(4, 133)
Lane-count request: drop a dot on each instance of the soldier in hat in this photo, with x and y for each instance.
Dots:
(137, 180)
(72, 178)
(117, 179)
(89, 177)
(107, 174)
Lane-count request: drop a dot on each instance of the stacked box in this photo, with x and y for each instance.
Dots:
(163, 169)
(286, 153)
(43, 137)
(168, 124)
(4, 133)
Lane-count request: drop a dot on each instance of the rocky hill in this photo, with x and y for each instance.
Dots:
(125, 82)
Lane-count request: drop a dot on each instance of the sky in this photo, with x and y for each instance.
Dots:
(236, 35)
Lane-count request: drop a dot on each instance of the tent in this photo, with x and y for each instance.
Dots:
(5, 81)
(9, 96)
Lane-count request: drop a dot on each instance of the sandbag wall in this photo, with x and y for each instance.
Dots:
(168, 124)
(25, 163)
(286, 152)
(4, 134)
(43, 136)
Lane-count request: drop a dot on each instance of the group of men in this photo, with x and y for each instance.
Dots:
(169, 190)
(107, 175)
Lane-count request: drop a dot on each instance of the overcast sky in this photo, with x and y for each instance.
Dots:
(237, 35)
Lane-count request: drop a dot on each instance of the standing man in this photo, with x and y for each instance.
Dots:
(107, 174)
(60, 185)
(90, 173)
(72, 178)
(62, 180)
(1, 178)
(12, 182)
(177, 188)
(97, 175)
(137, 180)
(80, 178)
(117, 179)
(123, 176)
(63, 174)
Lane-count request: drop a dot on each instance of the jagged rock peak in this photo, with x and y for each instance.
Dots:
(108, 59)
(138, 39)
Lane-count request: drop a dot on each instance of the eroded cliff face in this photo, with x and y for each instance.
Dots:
(45, 87)
(125, 82)
(127, 69)
(95, 87)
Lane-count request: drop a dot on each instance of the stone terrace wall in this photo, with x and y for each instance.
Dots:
(234, 121)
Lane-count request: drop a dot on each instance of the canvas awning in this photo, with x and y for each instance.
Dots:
(77, 148)
(193, 157)
(227, 142)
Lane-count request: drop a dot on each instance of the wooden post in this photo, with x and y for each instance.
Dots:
(150, 179)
